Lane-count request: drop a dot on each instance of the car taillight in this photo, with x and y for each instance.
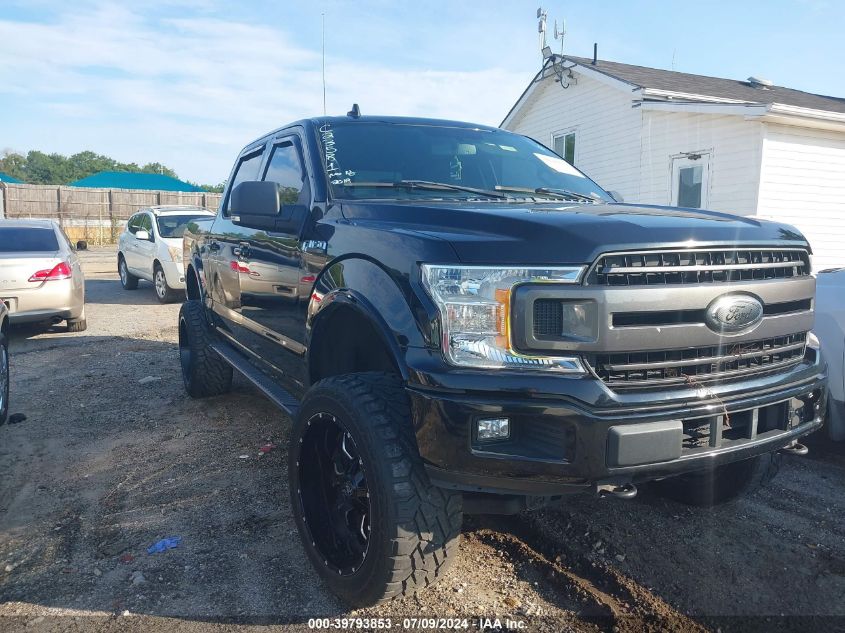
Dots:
(59, 271)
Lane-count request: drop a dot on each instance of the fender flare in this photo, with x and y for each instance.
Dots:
(361, 284)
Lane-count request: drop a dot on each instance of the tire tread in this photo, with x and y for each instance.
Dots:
(428, 519)
(209, 375)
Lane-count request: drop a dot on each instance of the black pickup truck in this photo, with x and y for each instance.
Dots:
(457, 320)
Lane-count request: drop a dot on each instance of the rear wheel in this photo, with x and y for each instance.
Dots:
(721, 484)
(127, 279)
(79, 324)
(203, 371)
(371, 522)
(4, 378)
(164, 293)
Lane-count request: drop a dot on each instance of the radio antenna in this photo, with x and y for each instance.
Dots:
(323, 17)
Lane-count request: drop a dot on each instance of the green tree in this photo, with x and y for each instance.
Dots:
(55, 169)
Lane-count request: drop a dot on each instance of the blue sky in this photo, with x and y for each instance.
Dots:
(189, 82)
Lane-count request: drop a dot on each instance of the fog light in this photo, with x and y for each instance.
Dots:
(493, 429)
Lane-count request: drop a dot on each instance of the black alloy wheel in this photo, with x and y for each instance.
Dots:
(333, 494)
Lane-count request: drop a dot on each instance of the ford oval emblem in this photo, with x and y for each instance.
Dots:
(734, 313)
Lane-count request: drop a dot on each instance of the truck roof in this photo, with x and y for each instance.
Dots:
(317, 122)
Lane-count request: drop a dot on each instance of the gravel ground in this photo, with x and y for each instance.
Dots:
(113, 456)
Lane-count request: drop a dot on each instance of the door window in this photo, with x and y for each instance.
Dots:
(564, 146)
(690, 174)
(247, 170)
(132, 224)
(285, 168)
(145, 223)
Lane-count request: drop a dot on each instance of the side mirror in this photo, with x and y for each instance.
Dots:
(254, 197)
(142, 235)
(258, 205)
(82, 245)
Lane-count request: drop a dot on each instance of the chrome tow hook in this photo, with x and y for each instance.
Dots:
(795, 449)
(620, 491)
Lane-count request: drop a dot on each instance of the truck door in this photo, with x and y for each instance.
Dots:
(224, 244)
(274, 289)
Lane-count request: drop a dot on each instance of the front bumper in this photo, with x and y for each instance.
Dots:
(174, 272)
(59, 299)
(570, 434)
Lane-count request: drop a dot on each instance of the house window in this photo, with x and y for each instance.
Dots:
(564, 146)
(690, 176)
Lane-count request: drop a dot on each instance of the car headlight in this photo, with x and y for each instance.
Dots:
(175, 253)
(474, 304)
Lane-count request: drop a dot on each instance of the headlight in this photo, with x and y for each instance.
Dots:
(474, 304)
(175, 253)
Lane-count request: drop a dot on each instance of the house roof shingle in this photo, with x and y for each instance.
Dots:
(710, 86)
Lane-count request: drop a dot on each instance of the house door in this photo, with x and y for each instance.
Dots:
(690, 179)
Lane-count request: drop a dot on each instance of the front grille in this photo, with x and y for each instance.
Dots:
(698, 364)
(674, 317)
(697, 266)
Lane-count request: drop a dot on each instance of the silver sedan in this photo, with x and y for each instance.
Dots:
(40, 274)
(4, 363)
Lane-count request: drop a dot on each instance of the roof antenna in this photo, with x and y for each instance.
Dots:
(355, 112)
(323, 17)
(541, 29)
(559, 33)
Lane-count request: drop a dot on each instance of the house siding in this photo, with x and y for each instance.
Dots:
(803, 183)
(735, 147)
(607, 140)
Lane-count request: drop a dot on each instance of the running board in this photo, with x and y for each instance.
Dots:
(277, 395)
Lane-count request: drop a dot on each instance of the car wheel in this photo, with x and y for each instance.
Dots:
(203, 371)
(127, 279)
(79, 324)
(371, 522)
(4, 378)
(721, 484)
(164, 293)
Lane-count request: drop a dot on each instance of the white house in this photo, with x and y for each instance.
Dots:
(664, 137)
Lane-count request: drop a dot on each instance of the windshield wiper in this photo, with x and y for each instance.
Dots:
(430, 185)
(566, 194)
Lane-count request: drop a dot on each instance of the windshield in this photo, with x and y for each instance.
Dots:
(174, 225)
(27, 240)
(402, 160)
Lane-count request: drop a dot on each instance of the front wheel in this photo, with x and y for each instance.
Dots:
(127, 279)
(371, 522)
(721, 484)
(164, 293)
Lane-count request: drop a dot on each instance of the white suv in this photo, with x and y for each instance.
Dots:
(150, 247)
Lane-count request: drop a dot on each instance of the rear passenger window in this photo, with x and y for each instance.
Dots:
(247, 170)
(27, 240)
(285, 168)
(132, 224)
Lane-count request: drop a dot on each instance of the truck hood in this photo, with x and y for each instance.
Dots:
(566, 233)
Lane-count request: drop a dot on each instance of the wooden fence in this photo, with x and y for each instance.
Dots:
(95, 215)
